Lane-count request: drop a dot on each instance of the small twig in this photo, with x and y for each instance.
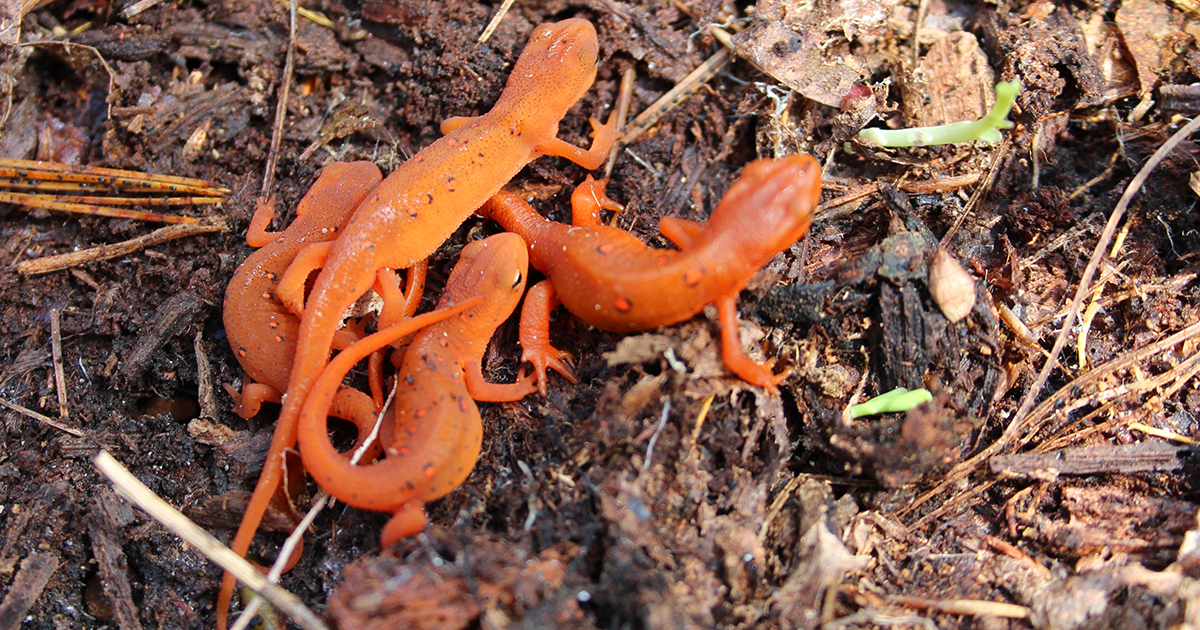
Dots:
(66, 204)
(531, 500)
(205, 543)
(60, 381)
(624, 99)
(94, 177)
(140, 6)
(915, 42)
(972, 607)
(496, 19)
(1105, 174)
(700, 417)
(692, 82)
(1093, 307)
(113, 250)
(1001, 153)
(777, 504)
(1162, 433)
(662, 423)
(316, 17)
(940, 185)
(285, 88)
(42, 418)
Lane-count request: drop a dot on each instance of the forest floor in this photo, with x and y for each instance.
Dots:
(661, 491)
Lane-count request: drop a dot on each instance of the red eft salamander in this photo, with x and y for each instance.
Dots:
(432, 434)
(261, 331)
(613, 281)
(409, 214)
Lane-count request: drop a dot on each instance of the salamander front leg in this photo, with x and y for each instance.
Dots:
(454, 122)
(535, 335)
(603, 138)
(682, 232)
(735, 359)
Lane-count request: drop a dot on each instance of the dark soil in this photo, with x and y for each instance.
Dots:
(661, 492)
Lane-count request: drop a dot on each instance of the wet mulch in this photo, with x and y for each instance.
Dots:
(660, 492)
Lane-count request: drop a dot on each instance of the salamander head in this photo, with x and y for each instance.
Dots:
(495, 268)
(558, 65)
(778, 196)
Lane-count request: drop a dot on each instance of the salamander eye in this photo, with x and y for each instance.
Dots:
(517, 279)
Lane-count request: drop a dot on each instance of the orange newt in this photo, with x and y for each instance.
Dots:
(409, 214)
(613, 281)
(433, 434)
(261, 331)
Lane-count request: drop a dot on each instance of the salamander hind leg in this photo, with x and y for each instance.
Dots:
(257, 234)
(588, 199)
(481, 389)
(407, 521)
(290, 289)
(248, 402)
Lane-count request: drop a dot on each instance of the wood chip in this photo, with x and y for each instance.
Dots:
(1147, 28)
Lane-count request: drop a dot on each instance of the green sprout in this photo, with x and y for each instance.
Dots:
(897, 400)
(985, 129)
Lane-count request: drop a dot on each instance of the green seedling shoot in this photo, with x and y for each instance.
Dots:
(986, 129)
(895, 401)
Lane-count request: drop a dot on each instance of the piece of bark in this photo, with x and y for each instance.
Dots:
(953, 82)
(1148, 28)
(176, 315)
(105, 519)
(35, 572)
(1091, 460)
